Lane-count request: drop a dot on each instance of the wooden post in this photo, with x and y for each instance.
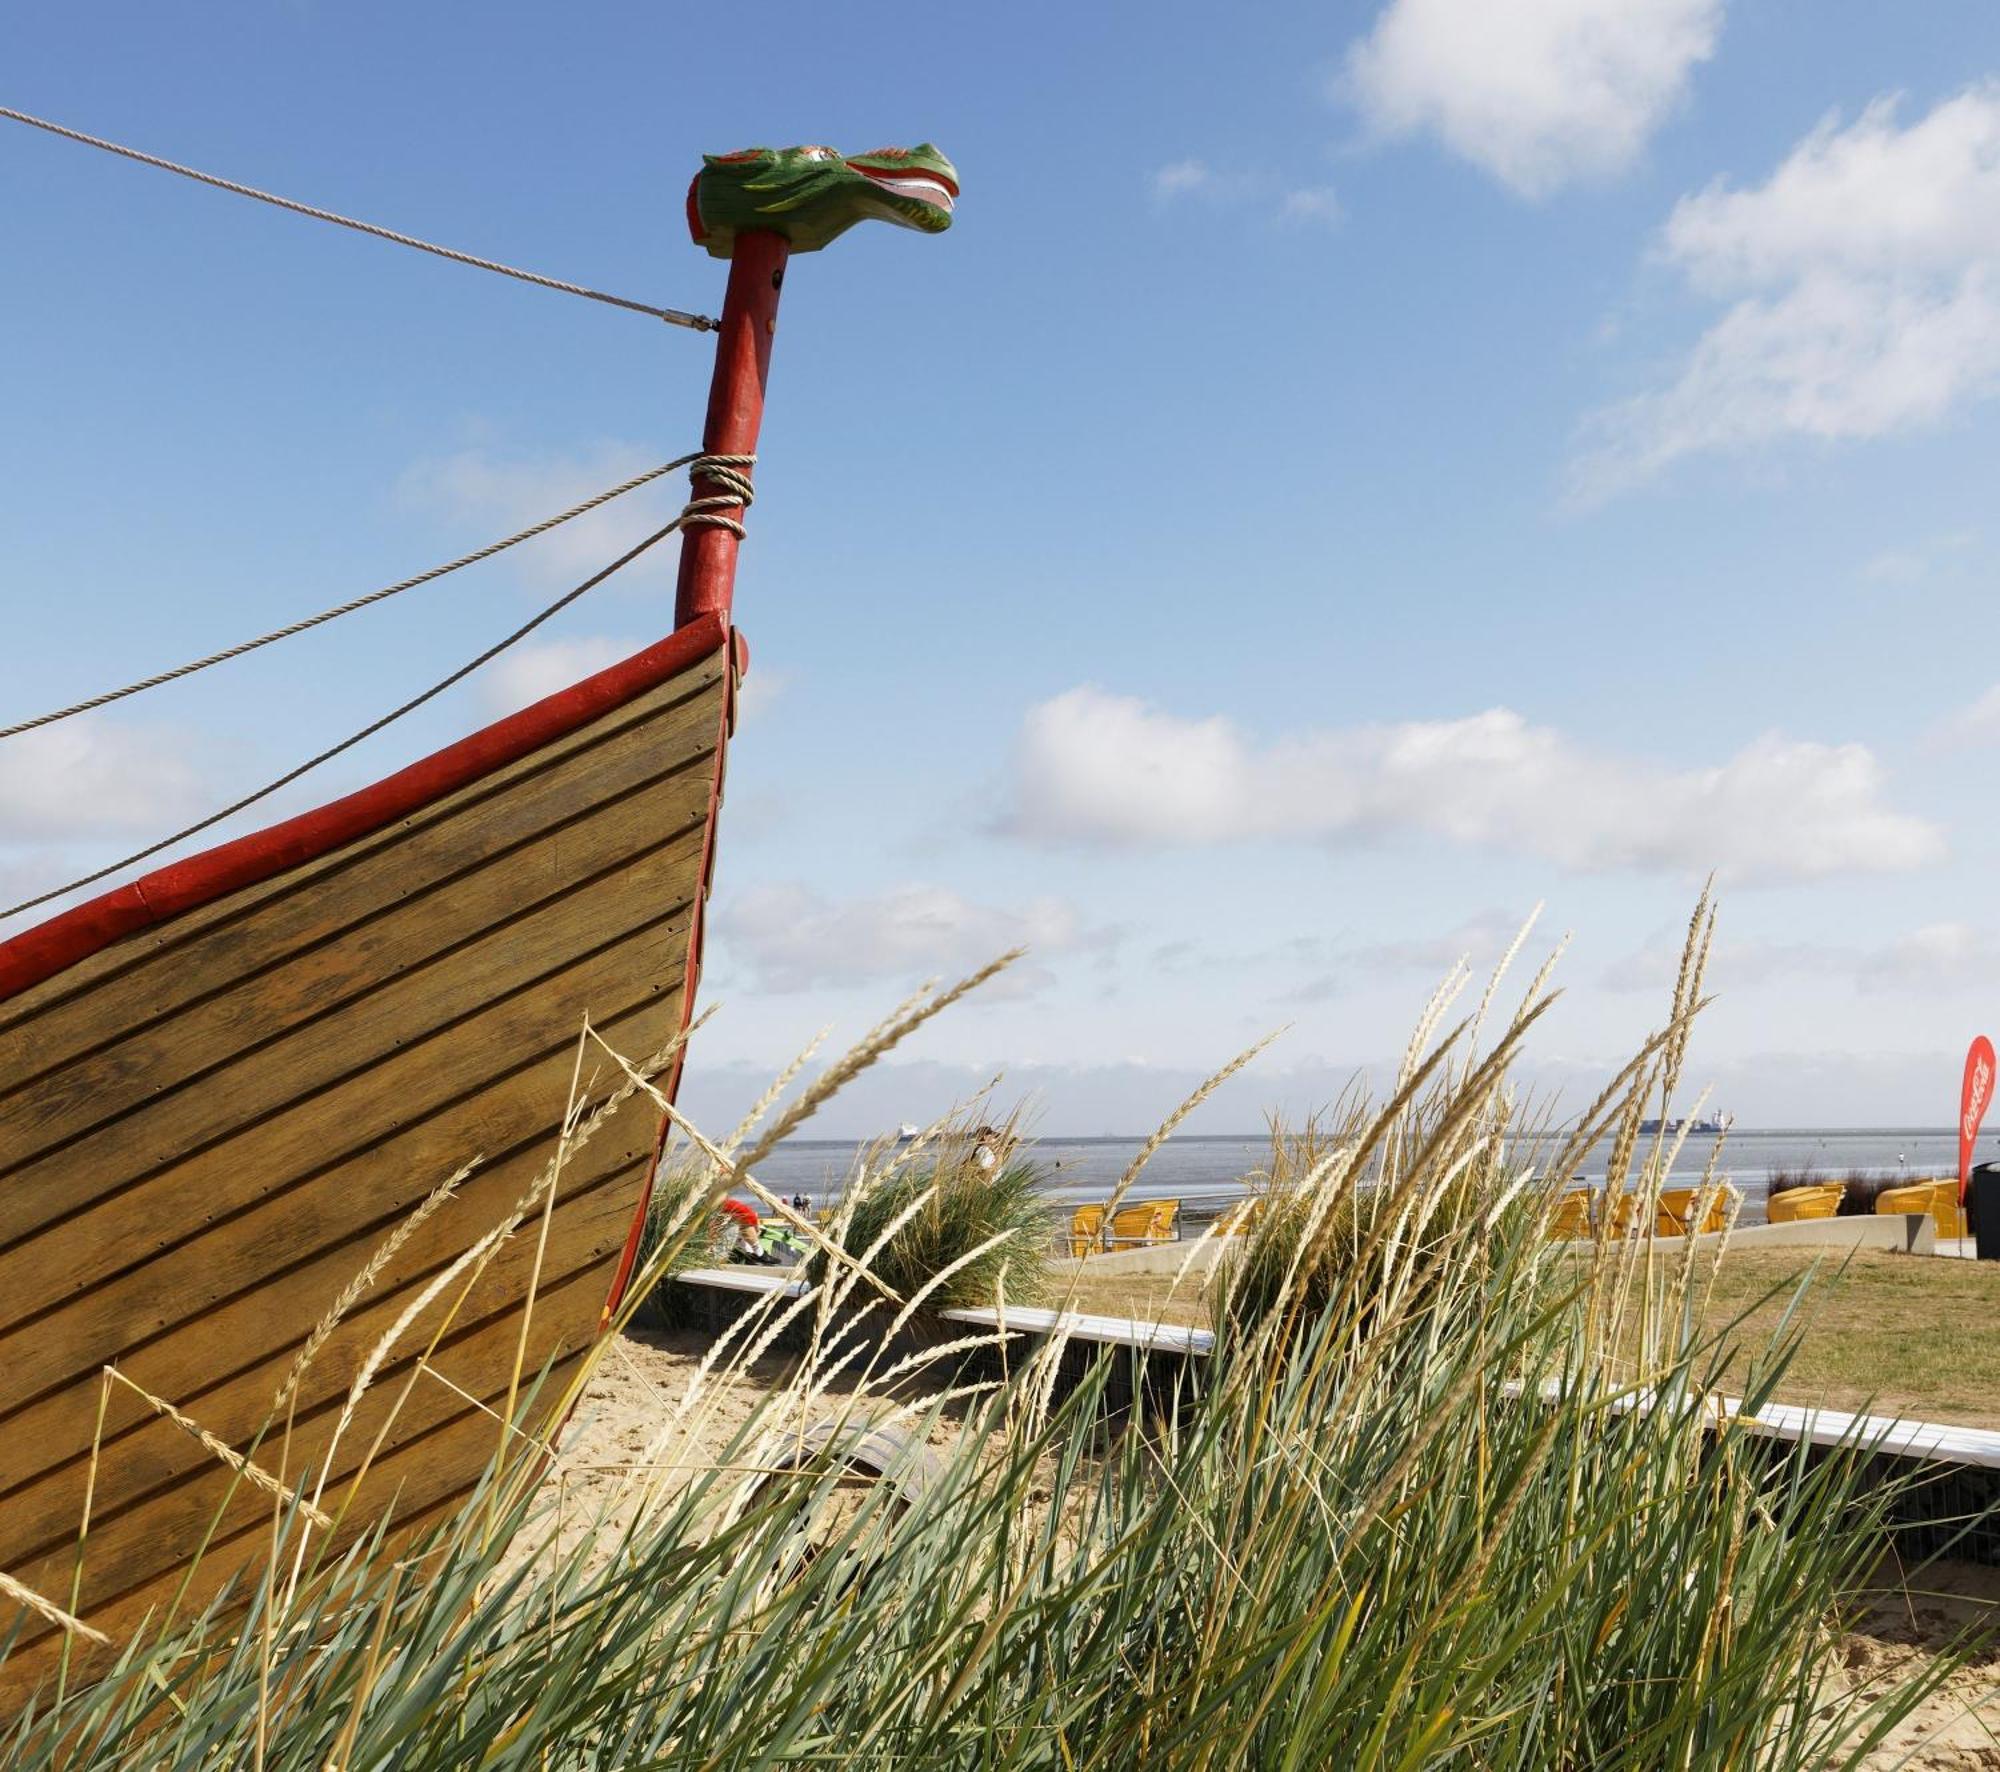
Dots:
(735, 412)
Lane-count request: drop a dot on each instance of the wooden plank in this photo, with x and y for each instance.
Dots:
(256, 1047)
(141, 1453)
(251, 903)
(1081, 1326)
(213, 1123)
(415, 1010)
(503, 846)
(427, 1035)
(232, 1021)
(274, 1308)
(424, 1480)
(254, 1255)
(159, 1533)
(145, 1060)
(319, 1175)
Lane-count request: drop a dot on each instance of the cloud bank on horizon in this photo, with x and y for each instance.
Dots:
(1092, 767)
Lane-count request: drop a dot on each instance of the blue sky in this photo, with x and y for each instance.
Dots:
(1347, 477)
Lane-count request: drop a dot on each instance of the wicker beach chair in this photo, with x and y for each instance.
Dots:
(1796, 1204)
(1624, 1209)
(1240, 1219)
(1671, 1217)
(1938, 1198)
(1569, 1217)
(1146, 1222)
(1086, 1232)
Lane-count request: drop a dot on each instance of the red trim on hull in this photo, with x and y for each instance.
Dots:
(670, 1084)
(43, 951)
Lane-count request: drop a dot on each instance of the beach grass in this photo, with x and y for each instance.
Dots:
(961, 1214)
(1449, 1502)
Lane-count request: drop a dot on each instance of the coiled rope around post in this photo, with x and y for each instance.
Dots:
(707, 512)
(672, 316)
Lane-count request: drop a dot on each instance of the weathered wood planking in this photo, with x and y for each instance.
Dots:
(208, 1126)
(191, 1358)
(135, 1546)
(413, 1487)
(147, 1453)
(397, 923)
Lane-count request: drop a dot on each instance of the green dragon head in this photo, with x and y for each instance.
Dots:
(812, 195)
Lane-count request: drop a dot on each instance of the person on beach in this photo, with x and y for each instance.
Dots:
(748, 1244)
(992, 1146)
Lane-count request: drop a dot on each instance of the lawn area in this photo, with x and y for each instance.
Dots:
(1890, 1333)
(1146, 1298)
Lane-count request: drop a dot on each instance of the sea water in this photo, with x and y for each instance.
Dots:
(1206, 1172)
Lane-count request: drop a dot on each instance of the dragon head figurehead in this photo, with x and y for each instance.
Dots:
(812, 195)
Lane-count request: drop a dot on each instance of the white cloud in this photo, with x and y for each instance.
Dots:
(500, 495)
(1896, 566)
(1912, 565)
(1863, 287)
(1732, 965)
(1540, 93)
(761, 690)
(1935, 958)
(1978, 723)
(1196, 181)
(90, 777)
(533, 669)
(1185, 178)
(1480, 940)
(1326, 972)
(1096, 768)
(1310, 205)
(792, 939)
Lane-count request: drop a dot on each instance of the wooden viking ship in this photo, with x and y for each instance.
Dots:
(224, 1085)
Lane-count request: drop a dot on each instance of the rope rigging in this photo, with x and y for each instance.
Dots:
(347, 608)
(673, 316)
(731, 472)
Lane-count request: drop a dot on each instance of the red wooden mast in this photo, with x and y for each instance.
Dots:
(735, 412)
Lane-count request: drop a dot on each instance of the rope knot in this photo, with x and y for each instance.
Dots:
(732, 474)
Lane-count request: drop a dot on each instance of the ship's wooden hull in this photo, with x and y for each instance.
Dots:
(219, 1097)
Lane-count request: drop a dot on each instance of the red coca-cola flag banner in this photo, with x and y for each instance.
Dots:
(1973, 1096)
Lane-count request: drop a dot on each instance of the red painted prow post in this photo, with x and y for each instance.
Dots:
(707, 582)
(735, 412)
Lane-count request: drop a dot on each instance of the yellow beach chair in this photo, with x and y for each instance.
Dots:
(1799, 1203)
(1624, 1210)
(1149, 1221)
(1240, 1219)
(1086, 1232)
(1677, 1204)
(1569, 1217)
(1938, 1198)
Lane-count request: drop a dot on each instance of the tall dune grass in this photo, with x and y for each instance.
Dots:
(931, 1211)
(1429, 1508)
